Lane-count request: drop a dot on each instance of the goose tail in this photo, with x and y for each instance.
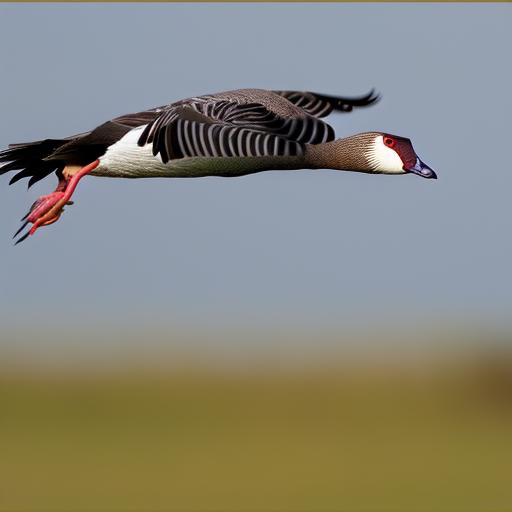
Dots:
(28, 159)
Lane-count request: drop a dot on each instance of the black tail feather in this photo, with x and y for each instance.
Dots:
(26, 173)
(28, 158)
(12, 166)
(41, 175)
(33, 150)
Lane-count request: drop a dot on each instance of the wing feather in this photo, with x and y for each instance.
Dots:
(186, 138)
(177, 131)
(321, 105)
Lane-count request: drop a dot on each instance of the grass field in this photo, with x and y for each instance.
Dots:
(220, 440)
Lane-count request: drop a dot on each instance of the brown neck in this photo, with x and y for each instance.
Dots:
(343, 154)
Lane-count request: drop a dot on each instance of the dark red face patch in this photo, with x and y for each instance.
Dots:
(403, 147)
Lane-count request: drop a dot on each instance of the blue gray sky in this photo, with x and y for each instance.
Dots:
(301, 249)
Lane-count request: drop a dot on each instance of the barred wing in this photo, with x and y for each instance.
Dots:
(321, 105)
(253, 117)
(189, 138)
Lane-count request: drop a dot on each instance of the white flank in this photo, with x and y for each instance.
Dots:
(127, 159)
(384, 159)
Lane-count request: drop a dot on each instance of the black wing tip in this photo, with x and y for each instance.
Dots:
(346, 104)
(372, 97)
(366, 100)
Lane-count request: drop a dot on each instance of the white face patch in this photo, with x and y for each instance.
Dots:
(384, 159)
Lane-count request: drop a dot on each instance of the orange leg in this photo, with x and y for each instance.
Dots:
(48, 209)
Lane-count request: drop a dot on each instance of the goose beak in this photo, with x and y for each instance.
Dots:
(422, 170)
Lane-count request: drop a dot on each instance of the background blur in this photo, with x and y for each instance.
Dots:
(312, 340)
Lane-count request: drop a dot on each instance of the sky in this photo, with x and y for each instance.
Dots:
(303, 249)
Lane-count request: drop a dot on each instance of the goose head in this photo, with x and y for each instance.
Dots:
(380, 153)
(391, 154)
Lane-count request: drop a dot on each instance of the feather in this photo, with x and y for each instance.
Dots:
(321, 105)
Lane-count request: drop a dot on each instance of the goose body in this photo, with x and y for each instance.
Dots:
(126, 159)
(232, 133)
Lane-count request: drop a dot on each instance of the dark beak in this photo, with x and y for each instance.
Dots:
(422, 170)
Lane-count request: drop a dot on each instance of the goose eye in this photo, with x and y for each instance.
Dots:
(389, 142)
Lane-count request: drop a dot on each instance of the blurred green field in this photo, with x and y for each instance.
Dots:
(361, 439)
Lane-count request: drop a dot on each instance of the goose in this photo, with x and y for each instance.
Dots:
(232, 133)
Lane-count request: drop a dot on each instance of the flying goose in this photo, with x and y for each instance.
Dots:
(231, 133)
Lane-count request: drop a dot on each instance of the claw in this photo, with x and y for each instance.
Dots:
(21, 229)
(29, 211)
(44, 211)
(44, 205)
(24, 237)
(48, 209)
